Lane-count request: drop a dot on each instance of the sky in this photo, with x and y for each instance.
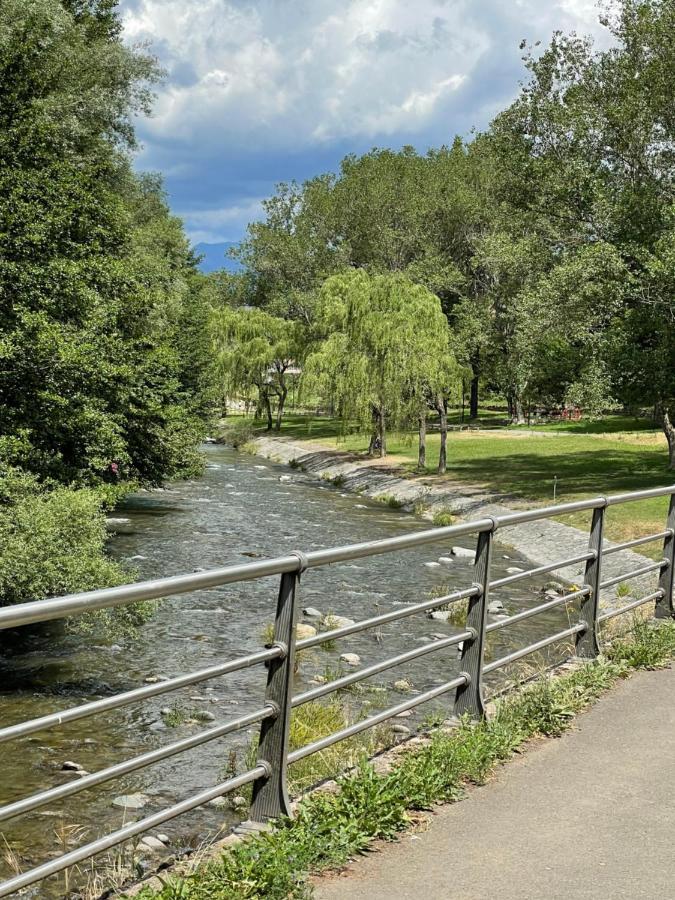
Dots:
(263, 91)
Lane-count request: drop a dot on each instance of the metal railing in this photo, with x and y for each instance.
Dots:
(269, 775)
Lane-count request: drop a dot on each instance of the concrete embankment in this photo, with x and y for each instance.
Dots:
(542, 542)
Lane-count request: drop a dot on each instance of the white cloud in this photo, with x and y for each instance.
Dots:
(212, 226)
(323, 69)
(253, 81)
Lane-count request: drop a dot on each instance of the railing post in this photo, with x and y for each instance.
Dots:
(664, 605)
(469, 696)
(270, 794)
(587, 646)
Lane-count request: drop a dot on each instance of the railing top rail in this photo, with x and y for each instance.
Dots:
(78, 604)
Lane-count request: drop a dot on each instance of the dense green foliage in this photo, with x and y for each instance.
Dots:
(96, 278)
(329, 828)
(549, 238)
(103, 341)
(383, 349)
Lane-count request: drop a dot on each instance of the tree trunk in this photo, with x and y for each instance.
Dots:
(382, 428)
(268, 411)
(669, 431)
(442, 408)
(283, 394)
(422, 452)
(473, 401)
(518, 415)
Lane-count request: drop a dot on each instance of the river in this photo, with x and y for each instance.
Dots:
(239, 509)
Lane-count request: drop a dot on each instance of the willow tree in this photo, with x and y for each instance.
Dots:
(254, 353)
(380, 342)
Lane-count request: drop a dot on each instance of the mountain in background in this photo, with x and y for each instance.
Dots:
(214, 257)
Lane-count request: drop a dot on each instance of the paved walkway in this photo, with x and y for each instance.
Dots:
(590, 815)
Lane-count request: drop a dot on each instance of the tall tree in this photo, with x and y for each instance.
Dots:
(94, 273)
(381, 338)
(255, 351)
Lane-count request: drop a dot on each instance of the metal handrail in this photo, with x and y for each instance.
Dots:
(270, 797)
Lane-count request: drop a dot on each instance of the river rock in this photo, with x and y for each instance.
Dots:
(238, 802)
(203, 715)
(332, 622)
(400, 729)
(284, 479)
(164, 838)
(495, 606)
(218, 802)
(70, 766)
(445, 560)
(439, 615)
(311, 613)
(405, 714)
(303, 631)
(464, 553)
(432, 565)
(151, 844)
(352, 659)
(554, 586)
(210, 440)
(513, 570)
(131, 801)
(115, 521)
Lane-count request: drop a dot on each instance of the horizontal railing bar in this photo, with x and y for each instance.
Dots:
(77, 604)
(28, 804)
(543, 607)
(373, 720)
(640, 495)
(542, 570)
(401, 613)
(624, 609)
(104, 598)
(637, 542)
(401, 542)
(128, 831)
(376, 668)
(548, 512)
(645, 570)
(21, 729)
(532, 648)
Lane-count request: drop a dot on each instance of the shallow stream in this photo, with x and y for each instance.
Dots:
(240, 509)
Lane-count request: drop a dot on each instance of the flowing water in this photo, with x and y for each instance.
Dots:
(239, 509)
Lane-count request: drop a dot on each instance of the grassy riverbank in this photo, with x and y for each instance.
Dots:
(581, 459)
(332, 827)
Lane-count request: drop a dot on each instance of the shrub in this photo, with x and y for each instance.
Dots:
(236, 433)
(443, 518)
(52, 543)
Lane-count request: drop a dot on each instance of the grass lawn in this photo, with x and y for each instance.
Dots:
(613, 455)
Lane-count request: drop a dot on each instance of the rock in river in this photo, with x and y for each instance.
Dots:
(303, 631)
(352, 659)
(131, 801)
(464, 553)
(311, 613)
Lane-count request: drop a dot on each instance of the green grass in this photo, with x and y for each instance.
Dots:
(612, 455)
(329, 828)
